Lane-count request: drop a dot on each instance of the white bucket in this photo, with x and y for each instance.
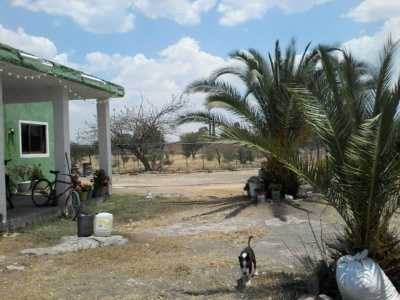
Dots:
(103, 224)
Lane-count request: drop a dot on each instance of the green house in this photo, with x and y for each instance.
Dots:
(28, 138)
(34, 114)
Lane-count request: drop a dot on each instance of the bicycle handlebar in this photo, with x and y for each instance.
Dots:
(57, 173)
(65, 174)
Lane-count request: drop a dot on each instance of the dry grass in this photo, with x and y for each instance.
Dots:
(178, 164)
(148, 267)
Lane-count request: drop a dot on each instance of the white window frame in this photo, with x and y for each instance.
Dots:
(33, 155)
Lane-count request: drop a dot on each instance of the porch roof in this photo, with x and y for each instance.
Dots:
(19, 66)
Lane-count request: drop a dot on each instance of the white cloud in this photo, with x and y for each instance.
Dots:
(238, 11)
(93, 15)
(37, 45)
(373, 10)
(105, 16)
(156, 78)
(182, 11)
(367, 47)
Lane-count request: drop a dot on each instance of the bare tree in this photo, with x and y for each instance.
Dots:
(142, 130)
(191, 142)
(86, 144)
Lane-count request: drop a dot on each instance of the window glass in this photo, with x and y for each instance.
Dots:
(33, 138)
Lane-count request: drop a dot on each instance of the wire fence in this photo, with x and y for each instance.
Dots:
(177, 157)
(168, 157)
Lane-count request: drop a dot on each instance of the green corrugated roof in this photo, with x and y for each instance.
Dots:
(20, 58)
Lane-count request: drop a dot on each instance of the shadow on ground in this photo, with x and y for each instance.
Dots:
(269, 284)
(233, 206)
(207, 292)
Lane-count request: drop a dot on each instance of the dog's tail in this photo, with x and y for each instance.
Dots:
(250, 238)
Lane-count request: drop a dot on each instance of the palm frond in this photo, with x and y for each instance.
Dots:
(385, 74)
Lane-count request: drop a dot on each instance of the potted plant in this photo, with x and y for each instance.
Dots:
(100, 183)
(275, 189)
(84, 191)
(23, 175)
(36, 173)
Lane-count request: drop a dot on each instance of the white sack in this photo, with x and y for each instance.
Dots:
(360, 278)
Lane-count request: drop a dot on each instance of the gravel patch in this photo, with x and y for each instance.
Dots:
(74, 244)
(15, 267)
(187, 228)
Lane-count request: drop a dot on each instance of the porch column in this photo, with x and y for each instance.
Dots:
(61, 135)
(3, 202)
(104, 137)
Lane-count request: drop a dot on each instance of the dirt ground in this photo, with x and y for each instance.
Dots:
(192, 185)
(183, 246)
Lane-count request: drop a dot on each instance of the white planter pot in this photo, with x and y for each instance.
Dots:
(253, 186)
(261, 198)
(24, 186)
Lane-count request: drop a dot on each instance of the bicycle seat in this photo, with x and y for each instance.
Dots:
(54, 172)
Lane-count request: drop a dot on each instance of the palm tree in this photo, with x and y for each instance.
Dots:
(354, 112)
(264, 111)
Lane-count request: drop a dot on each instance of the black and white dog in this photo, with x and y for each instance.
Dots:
(248, 264)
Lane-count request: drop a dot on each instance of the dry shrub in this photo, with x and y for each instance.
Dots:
(318, 265)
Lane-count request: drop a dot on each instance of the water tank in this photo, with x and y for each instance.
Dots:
(103, 223)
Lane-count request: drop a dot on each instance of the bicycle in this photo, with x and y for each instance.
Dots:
(44, 193)
(8, 186)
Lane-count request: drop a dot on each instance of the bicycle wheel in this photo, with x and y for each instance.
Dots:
(9, 195)
(72, 205)
(8, 192)
(41, 192)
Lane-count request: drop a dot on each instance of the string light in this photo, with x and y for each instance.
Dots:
(41, 76)
(61, 81)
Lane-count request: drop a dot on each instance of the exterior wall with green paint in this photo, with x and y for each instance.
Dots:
(37, 112)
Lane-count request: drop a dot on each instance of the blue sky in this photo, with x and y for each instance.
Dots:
(156, 47)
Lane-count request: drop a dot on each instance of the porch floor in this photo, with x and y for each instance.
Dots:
(25, 214)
